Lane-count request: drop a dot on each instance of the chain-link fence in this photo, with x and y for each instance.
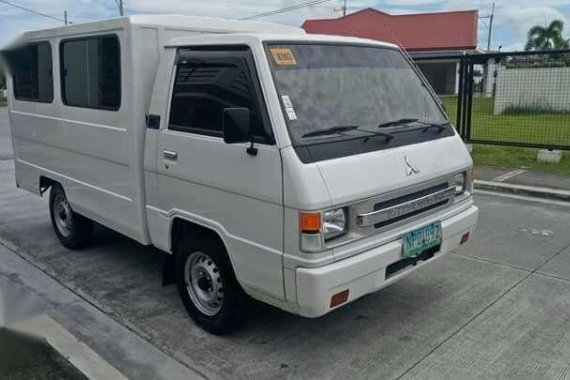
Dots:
(519, 99)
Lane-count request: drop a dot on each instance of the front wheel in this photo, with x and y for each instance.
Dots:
(207, 285)
(73, 230)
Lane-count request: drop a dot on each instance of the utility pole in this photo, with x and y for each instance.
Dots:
(342, 8)
(491, 62)
(490, 17)
(65, 17)
(121, 11)
(490, 27)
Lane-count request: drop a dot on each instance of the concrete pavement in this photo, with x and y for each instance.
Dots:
(532, 183)
(524, 177)
(5, 140)
(497, 308)
(473, 313)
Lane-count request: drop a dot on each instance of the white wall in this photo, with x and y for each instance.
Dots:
(547, 87)
(489, 77)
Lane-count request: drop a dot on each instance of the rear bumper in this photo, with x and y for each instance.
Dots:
(366, 272)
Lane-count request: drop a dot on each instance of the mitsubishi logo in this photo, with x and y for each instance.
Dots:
(411, 169)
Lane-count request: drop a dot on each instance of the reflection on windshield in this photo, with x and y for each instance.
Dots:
(340, 85)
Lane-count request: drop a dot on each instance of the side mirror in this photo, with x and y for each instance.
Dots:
(236, 125)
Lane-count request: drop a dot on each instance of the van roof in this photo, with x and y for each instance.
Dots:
(161, 21)
(285, 37)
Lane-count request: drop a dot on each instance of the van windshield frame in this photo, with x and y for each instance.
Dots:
(289, 71)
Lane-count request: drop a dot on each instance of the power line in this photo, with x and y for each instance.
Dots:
(286, 9)
(31, 10)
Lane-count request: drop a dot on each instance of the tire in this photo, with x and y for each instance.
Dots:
(208, 287)
(73, 230)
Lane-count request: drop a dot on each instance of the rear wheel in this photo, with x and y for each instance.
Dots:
(207, 285)
(73, 230)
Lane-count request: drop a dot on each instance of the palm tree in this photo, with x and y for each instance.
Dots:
(547, 38)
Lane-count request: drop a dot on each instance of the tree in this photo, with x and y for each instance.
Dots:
(547, 37)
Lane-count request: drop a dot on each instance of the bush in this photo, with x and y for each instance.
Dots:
(532, 110)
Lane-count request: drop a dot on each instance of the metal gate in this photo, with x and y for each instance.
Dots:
(516, 99)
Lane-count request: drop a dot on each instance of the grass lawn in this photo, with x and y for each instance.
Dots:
(3, 102)
(523, 128)
(537, 128)
(514, 157)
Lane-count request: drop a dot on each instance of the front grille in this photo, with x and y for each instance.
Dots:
(410, 197)
(417, 212)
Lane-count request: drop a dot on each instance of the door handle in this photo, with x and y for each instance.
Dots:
(170, 155)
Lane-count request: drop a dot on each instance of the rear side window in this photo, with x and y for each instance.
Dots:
(91, 72)
(205, 86)
(31, 68)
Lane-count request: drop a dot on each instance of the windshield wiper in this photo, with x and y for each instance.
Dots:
(440, 127)
(394, 123)
(331, 130)
(345, 128)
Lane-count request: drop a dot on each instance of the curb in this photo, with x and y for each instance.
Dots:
(531, 191)
(82, 357)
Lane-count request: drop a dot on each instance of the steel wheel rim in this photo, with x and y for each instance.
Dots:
(204, 283)
(62, 214)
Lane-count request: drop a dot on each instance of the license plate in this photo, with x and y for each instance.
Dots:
(417, 241)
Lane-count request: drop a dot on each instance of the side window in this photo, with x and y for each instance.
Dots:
(91, 72)
(204, 87)
(31, 68)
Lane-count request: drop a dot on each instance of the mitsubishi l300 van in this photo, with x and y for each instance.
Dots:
(304, 171)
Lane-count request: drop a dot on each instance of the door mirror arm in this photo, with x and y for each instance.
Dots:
(252, 150)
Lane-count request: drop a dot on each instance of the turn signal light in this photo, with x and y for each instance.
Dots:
(339, 298)
(310, 222)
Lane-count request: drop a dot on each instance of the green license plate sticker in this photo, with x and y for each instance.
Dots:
(417, 241)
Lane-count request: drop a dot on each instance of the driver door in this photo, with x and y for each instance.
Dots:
(219, 185)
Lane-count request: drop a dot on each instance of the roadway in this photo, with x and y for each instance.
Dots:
(497, 308)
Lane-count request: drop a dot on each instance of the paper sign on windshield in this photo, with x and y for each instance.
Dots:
(287, 101)
(283, 56)
(291, 114)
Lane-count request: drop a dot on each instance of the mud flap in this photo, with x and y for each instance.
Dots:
(168, 272)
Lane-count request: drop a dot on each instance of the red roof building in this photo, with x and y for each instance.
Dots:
(414, 32)
(434, 40)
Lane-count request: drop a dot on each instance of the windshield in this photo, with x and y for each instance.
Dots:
(339, 92)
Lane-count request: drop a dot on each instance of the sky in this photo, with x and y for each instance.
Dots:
(513, 18)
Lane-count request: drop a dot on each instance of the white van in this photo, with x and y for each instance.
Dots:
(302, 170)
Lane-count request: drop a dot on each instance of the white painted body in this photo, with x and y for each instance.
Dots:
(113, 169)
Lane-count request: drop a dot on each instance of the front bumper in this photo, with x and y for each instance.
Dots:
(366, 272)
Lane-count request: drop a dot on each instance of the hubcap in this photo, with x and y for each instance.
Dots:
(204, 283)
(62, 215)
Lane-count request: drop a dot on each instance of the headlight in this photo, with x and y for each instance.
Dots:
(334, 223)
(460, 182)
